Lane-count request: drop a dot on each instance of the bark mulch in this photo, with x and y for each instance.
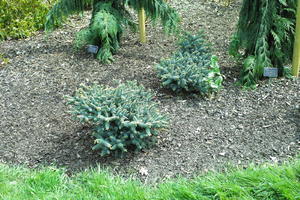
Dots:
(237, 127)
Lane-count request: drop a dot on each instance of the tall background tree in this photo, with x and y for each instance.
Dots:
(109, 19)
(264, 37)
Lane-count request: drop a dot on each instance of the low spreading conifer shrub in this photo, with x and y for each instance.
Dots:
(192, 68)
(122, 118)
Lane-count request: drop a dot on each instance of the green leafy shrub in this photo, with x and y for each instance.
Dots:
(192, 68)
(123, 117)
(19, 19)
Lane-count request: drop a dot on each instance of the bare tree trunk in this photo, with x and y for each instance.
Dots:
(296, 54)
(142, 25)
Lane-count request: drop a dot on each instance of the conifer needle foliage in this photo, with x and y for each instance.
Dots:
(123, 118)
(109, 18)
(192, 68)
(264, 37)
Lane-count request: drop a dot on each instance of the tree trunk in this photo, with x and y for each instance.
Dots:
(142, 25)
(296, 53)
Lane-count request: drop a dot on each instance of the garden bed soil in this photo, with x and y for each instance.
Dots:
(236, 127)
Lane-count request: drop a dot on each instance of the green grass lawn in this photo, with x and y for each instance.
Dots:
(265, 182)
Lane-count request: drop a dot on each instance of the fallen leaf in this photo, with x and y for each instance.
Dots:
(143, 171)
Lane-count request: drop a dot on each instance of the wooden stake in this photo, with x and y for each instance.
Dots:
(296, 53)
(142, 25)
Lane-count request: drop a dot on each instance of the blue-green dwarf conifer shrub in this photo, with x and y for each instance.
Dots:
(192, 68)
(123, 118)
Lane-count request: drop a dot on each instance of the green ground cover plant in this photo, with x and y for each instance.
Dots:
(192, 68)
(123, 118)
(3, 60)
(255, 183)
(20, 19)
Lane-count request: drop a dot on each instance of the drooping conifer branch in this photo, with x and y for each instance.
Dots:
(264, 36)
(61, 10)
(109, 18)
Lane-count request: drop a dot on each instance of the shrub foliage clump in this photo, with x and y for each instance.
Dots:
(109, 20)
(264, 37)
(123, 118)
(19, 19)
(192, 68)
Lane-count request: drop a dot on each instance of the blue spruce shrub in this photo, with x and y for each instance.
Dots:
(192, 68)
(122, 118)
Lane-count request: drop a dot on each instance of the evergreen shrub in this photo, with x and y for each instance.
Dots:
(264, 37)
(192, 68)
(20, 19)
(109, 20)
(123, 118)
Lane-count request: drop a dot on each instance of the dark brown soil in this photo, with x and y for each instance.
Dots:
(238, 127)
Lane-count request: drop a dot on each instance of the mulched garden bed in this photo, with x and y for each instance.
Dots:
(237, 127)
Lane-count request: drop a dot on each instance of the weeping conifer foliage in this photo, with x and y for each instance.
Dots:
(264, 37)
(109, 18)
